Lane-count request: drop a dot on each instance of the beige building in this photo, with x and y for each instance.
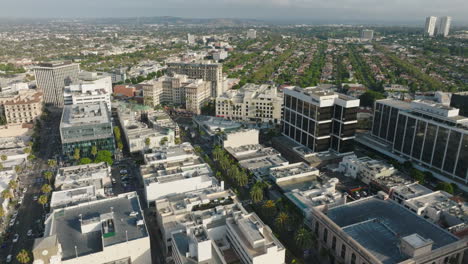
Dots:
(177, 90)
(251, 103)
(212, 72)
(23, 108)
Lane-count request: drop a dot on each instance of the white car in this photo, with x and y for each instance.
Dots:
(29, 232)
(12, 222)
(8, 259)
(15, 238)
(25, 189)
(123, 171)
(35, 198)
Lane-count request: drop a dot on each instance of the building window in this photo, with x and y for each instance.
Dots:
(316, 228)
(325, 235)
(353, 258)
(343, 251)
(334, 243)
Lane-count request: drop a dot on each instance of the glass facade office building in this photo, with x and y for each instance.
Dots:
(428, 133)
(320, 120)
(84, 126)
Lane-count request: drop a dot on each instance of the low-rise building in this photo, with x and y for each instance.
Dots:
(68, 197)
(91, 88)
(6, 176)
(159, 118)
(111, 230)
(402, 193)
(84, 126)
(125, 90)
(215, 225)
(139, 135)
(365, 168)
(292, 171)
(183, 153)
(257, 158)
(220, 55)
(237, 138)
(214, 125)
(253, 103)
(374, 230)
(23, 107)
(12, 157)
(443, 209)
(159, 182)
(94, 174)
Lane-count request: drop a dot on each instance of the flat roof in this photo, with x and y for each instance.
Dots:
(378, 224)
(66, 225)
(85, 114)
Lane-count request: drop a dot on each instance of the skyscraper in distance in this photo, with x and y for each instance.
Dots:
(443, 28)
(52, 79)
(367, 34)
(431, 23)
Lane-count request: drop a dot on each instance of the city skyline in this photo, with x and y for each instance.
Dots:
(305, 11)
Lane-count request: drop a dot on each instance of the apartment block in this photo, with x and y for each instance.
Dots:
(430, 26)
(425, 132)
(212, 72)
(52, 79)
(254, 103)
(111, 230)
(22, 108)
(251, 34)
(84, 126)
(320, 119)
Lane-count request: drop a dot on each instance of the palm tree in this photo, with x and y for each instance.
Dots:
(281, 221)
(43, 200)
(76, 154)
(18, 169)
(269, 208)
(13, 184)
(119, 145)
(48, 175)
(147, 142)
(23, 256)
(94, 151)
(46, 188)
(1, 166)
(4, 157)
(2, 212)
(303, 238)
(31, 157)
(27, 150)
(256, 193)
(52, 163)
(6, 194)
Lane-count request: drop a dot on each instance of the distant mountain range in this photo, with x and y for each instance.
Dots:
(174, 21)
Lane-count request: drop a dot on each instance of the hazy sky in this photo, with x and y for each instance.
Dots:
(378, 11)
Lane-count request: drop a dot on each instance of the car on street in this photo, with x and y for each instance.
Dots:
(8, 258)
(25, 189)
(12, 222)
(113, 180)
(15, 238)
(29, 232)
(35, 198)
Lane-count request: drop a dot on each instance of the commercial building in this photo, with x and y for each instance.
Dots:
(111, 230)
(91, 88)
(405, 192)
(52, 79)
(14, 156)
(73, 177)
(365, 168)
(320, 119)
(22, 108)
(257, 158)
(211, 226)
(6, 175)
(443, 27)
(237, 138)
(367, 35)
(430, 27)
(220, 55)
(429, 134)
(441, 208)
(214, 125)
(190, 39)
(251, 34)
(159, 118)
(160, 181)
(254, 103)
(125, 90)
(211, 72)
(139, 135)
(460, 101)
(65, 198)
(84, 126)
(373, 230)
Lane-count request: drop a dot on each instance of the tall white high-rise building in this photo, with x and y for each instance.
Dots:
(52, 79)
(367, 34)
(443, 26)
(429, 28)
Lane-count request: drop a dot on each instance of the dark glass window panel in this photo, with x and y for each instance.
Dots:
(462, 164)
(311, 127)
(334, 143)
(287, 115)
(313, 112)
(346, 146)
(441, 143)
(324, 113)
(337, 113)
(350, 114)
(310, 143)
(393, 125)
(429, 142)
(305, 124)
(322, 144)
(400, 132)
(452, 151)
(286, 129)
(287, 101)
(385, 119)
(409, 135)
(348, 130)
(324, 129)
(300, 108)
(304, 139)
(336, 128)
(298, 135)
(293, 118)
(306, 109)
(419, 139)
(377, 117)
(293, 103)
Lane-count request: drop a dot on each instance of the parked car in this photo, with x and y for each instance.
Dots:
(29, 232)
(35, 198)
(15, 238)
(12, 222)
(8, 258)
(123, 171)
